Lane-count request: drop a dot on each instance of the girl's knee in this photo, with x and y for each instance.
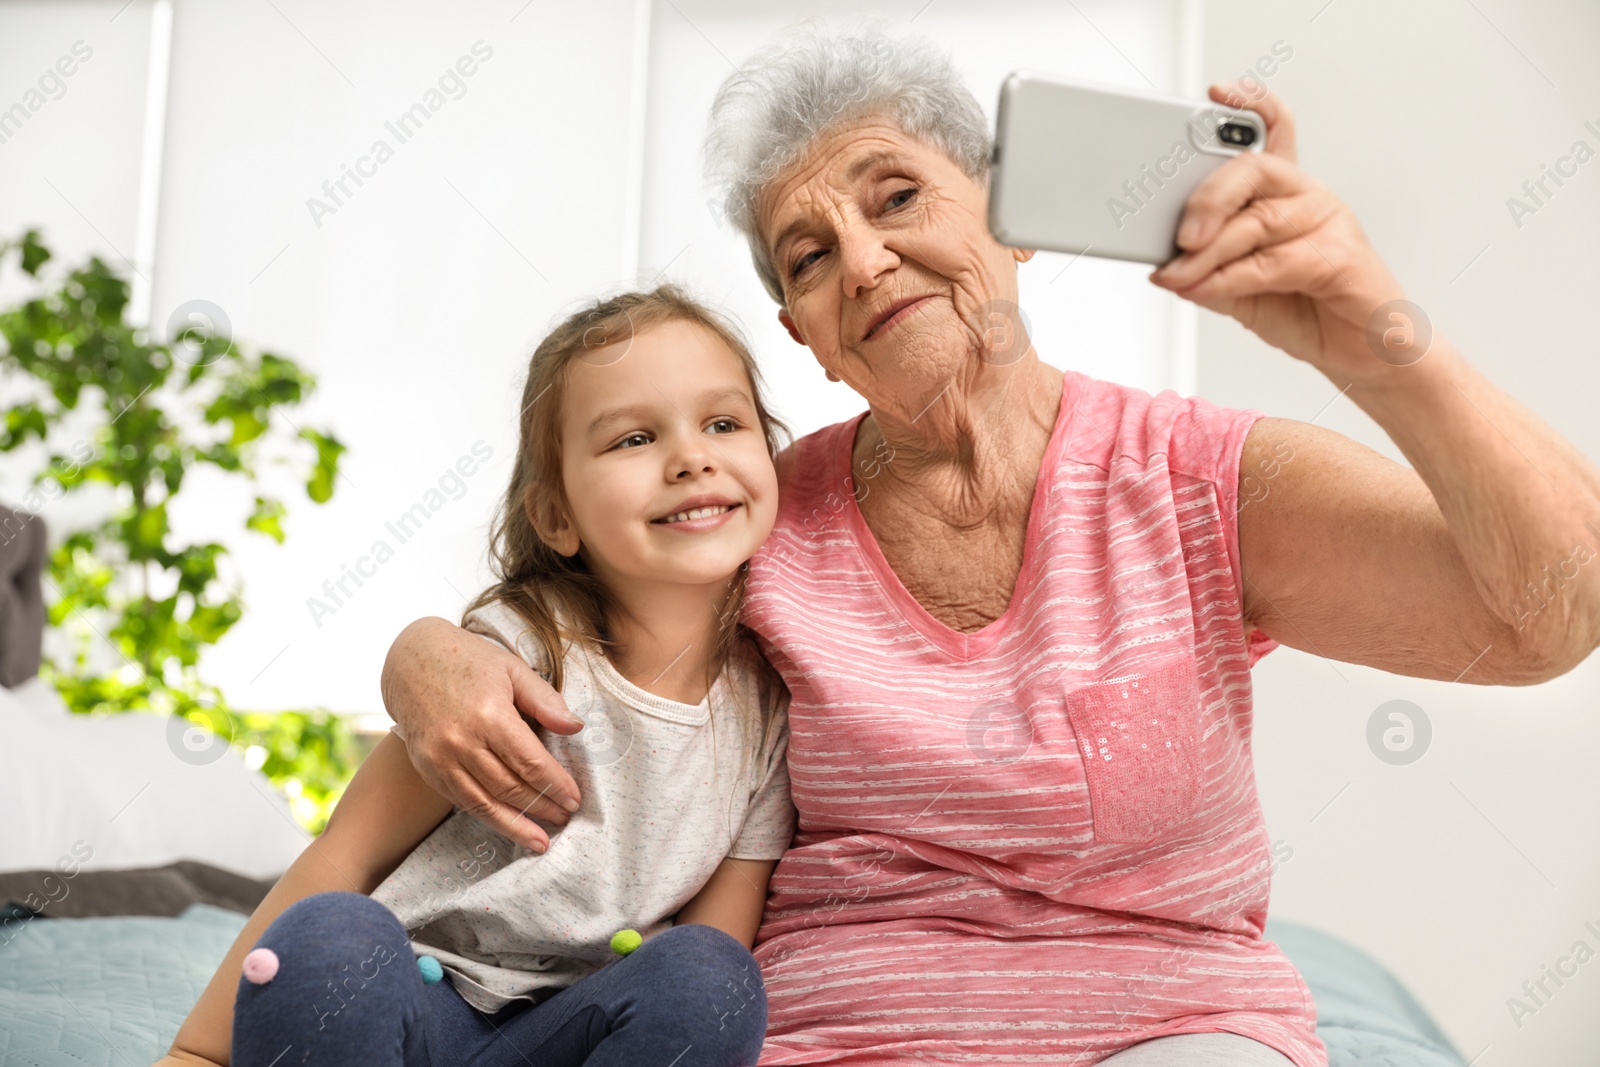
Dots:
(705, 952)
(704, 941)
(339, 944)
(716, 979)
(337, 914)
(347, 937)
(344, 973)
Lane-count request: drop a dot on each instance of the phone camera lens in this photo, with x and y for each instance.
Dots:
(1237, 133)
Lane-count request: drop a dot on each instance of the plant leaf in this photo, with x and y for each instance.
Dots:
(267, 518)
(34, 254)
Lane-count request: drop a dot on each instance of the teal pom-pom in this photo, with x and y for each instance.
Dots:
(431, 971)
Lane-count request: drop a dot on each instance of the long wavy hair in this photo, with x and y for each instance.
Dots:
(558, 597)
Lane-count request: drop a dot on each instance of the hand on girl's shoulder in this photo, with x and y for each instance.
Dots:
(499, 622)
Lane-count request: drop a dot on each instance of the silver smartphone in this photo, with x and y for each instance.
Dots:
(1102, 171)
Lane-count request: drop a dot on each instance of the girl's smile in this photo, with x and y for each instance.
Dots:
(704, 512)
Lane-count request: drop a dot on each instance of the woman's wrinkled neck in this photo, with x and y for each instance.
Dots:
(973, 451)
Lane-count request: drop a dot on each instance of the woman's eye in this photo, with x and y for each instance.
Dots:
(897, 201)
(642, 438)
(803, 262)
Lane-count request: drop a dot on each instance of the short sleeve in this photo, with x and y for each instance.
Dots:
(770, 822)
(1207, 441)
(499, 623)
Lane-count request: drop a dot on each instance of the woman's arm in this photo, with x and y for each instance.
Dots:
(732, 900)
(386, 811)
(1481, 564)
(457, 698)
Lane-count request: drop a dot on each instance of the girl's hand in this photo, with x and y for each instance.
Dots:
(176, 1058)
(459, 700)
(1274, 248)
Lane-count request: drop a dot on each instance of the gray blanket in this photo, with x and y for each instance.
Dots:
(163, 891)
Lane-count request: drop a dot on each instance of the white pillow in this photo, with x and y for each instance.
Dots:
(133, 794)
(49, 804)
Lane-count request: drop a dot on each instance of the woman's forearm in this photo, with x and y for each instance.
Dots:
(405, 652)
(1521, 502)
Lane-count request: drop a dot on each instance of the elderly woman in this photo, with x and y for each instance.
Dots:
(1017, 607)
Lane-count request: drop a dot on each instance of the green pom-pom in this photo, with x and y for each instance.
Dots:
(431, 971)
(625, 941)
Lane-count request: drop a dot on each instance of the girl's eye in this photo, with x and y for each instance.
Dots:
(641, 437)
(729, 423)
(803, 262)
(896, 201)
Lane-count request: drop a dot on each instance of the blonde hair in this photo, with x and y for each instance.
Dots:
(557, 596)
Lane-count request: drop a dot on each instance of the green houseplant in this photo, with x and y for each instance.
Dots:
(160, 409)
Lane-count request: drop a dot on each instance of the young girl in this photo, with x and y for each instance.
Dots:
(643, 482)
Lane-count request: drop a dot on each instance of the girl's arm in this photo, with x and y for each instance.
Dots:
(732, 900)
(386, 811)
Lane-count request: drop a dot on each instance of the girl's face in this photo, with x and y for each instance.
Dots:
(664, 462)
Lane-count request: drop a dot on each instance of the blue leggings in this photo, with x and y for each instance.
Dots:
(691, 996)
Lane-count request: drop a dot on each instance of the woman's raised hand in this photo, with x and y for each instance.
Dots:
(459, 701)
(1274, 248)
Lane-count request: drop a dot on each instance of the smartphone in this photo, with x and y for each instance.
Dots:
(1103, 171)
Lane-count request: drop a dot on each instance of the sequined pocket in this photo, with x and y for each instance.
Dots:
(1140, 740)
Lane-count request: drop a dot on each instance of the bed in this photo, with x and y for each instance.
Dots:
(125, 874)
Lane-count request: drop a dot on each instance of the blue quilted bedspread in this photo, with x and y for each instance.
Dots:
(71, 989)
(1364, 1015)
(112, 992)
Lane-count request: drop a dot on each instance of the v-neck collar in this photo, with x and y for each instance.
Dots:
(956, 643)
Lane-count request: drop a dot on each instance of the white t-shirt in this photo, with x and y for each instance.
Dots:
(667, 791)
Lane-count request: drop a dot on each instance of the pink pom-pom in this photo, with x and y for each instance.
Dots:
(260, 966)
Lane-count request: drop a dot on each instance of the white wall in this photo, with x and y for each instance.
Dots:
(1471, 869)
(416, 301)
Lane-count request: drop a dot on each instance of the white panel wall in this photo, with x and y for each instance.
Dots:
(1473, 869)
(70, 158)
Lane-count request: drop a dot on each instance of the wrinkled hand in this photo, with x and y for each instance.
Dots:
(460, 701)
(1274, 248)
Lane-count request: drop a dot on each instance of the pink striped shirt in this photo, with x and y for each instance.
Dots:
(1039, 842)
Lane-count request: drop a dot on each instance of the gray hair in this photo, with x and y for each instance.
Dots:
(785, 96)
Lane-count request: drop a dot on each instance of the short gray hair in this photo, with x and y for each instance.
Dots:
(785, 96)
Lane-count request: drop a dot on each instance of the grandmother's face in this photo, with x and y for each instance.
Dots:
(889, 272)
